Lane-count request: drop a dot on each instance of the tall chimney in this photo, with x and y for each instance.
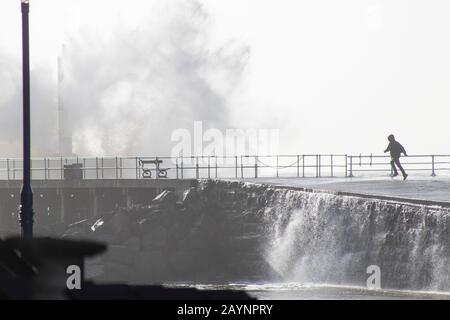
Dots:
(64, 128)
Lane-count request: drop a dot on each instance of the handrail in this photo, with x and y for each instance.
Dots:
(236, 166)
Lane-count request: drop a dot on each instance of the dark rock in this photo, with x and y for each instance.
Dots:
(116, 272)
(151, 267)
(189, 196)
(121, 254)
(58, 229)
(132, 243)
(184, 263)
(156, 237)
(166, 199)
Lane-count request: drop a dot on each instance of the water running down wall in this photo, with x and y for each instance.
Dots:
(330, 238)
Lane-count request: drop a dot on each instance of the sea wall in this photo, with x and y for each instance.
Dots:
(223, 231)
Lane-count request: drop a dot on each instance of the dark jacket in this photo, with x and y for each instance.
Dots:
(395, 149)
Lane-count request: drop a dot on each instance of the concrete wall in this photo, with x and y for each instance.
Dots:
(62, 201)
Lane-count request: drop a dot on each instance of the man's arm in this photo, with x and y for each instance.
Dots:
(403, 150)
(388, 148)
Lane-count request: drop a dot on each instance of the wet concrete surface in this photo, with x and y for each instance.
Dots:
(423, 188)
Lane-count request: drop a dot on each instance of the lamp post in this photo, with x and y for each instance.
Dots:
(26, 194)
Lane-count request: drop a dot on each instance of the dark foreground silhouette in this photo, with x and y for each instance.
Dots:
(37, 269)
(396, 149)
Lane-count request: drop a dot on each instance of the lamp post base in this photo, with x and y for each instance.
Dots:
(26, 211)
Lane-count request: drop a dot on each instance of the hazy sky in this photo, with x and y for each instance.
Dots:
(333, 76)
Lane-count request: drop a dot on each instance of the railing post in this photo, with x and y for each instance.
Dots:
(317, 163)
(346, 166)
(303, 165)
(256, 166)
(136, 164)
(121, 168)
(103, 166)
(7, 167)
(298, 166)
(117, 169)
(433, 174)
(84, 168)
(156, 168)
(351, 167)
(209, 167)
(96, 168)
(45, 168)
(182, 169)
(236, 167)
(62, 168)
(197, 174)
(176, 165)
(332, 173)
(242, 169)
(277, 167)
(320, 165)
(216, 167)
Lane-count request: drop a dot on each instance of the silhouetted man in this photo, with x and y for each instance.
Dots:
(396, 150)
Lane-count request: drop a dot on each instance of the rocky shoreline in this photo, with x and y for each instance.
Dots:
(213, 234)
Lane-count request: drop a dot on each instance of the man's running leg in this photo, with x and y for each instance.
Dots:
(397, 162)
(394, 168)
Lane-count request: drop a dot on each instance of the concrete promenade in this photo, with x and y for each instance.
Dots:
(425, 189)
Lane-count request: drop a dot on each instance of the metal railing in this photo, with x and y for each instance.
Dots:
(243, 166)
(381, 163)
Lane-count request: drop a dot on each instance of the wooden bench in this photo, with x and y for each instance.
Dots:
(147, 172)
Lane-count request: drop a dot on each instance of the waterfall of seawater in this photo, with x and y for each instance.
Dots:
(332, 239)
